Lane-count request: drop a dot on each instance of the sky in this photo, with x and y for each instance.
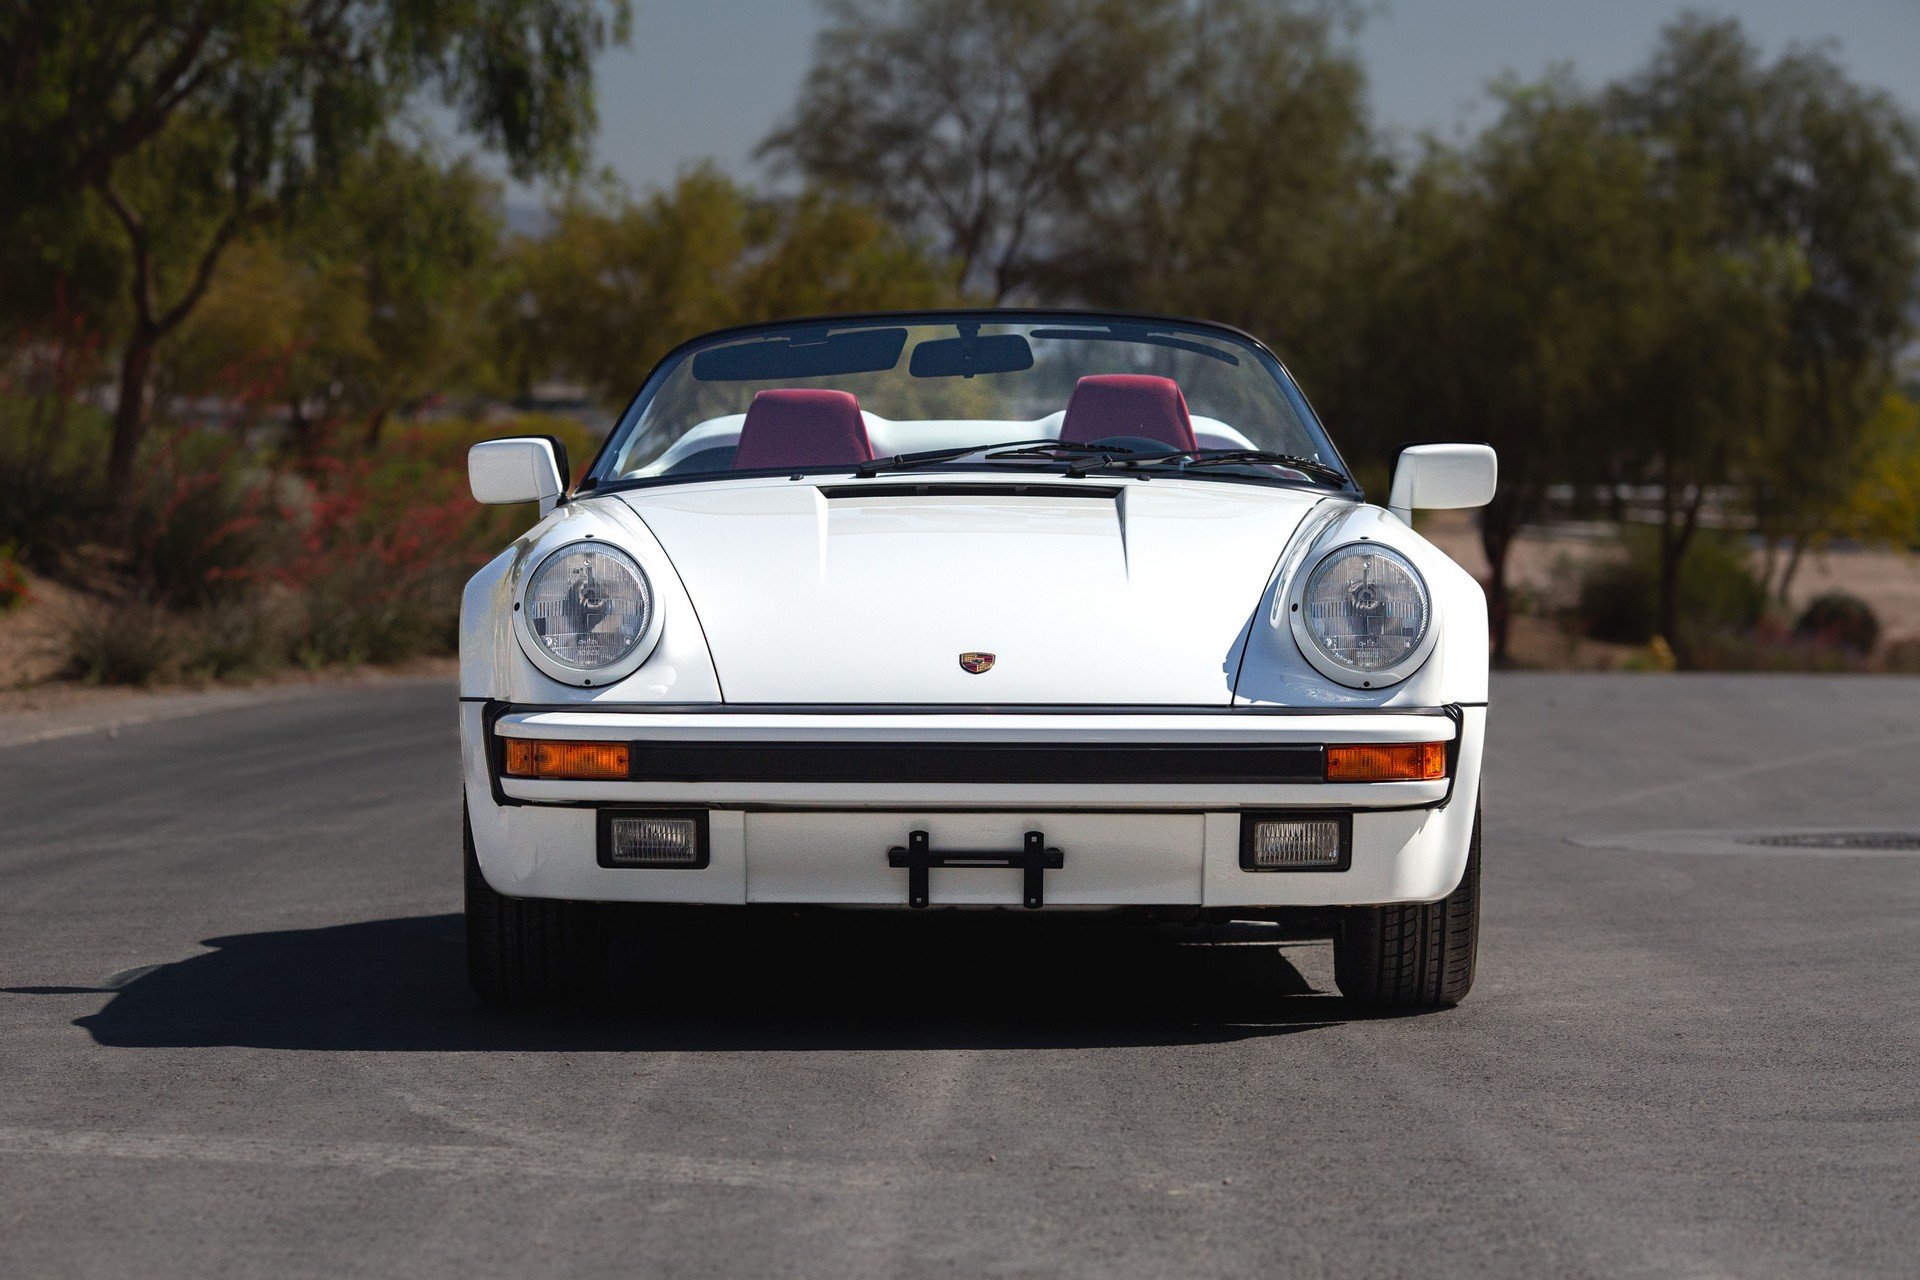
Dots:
(710, 78)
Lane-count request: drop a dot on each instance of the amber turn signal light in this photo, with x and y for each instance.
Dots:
(578, 761)
(1397, 762)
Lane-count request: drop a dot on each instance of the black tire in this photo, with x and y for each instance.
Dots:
(1408, 958)
(531, 951)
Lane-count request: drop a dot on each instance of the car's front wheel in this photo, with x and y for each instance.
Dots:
(530, 951)
(1418, 956)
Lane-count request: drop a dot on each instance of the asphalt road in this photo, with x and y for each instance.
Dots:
(236, 1039)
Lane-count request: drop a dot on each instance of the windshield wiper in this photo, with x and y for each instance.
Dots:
(1058, 449)
(1262, 457)
(926, 457)
(1087, 458)
(1090, 458)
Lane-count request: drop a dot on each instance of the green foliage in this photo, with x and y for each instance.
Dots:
(301, 86)
(1619, 597)
(192, 121)
(1885, 503)
(617, 283)
(368, 304)
(1511, 279)
(50, 493)
(1153, 151)
(236, 571)
(1227, 172)
(1794, 202)
(1842, 619)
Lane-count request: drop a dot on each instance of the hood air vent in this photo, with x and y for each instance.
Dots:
(973, 489)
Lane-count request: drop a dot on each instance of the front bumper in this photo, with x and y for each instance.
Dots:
(803, 805)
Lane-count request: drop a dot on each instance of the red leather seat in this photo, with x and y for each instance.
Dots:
(802, 428)
(1128, 404)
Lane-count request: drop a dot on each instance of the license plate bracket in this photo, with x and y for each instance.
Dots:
(1034, 859)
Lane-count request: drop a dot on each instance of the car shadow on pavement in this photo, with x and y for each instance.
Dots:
(828, 982)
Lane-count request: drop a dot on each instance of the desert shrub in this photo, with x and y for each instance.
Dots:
(50, 490)
(13, 579)
(121, 642)
(364, 613)
(200, 522)
(1903, 656)
(1619, 599)
(243, 634)
(220, 566)
(1842, 619)
(1769, 648)
(381, 550)
(1718, 588)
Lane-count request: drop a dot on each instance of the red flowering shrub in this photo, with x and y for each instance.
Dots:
(380, 547)
(232, 566)
(13, 580)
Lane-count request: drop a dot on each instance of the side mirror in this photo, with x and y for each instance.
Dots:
(1441, 477)
(518, 469)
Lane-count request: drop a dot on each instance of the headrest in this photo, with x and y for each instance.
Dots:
(1128, 404)
(802, 428)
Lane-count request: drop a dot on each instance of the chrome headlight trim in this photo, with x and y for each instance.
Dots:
(1325, 663)
(543, 658)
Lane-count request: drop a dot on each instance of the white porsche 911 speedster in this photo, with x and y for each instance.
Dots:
(994, 609)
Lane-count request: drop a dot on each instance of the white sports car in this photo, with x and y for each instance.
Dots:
(1054, 611)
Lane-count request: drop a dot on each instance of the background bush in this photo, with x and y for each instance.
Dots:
(1619, 598)
(236, 563)
(1842, 619)
(50, 493)
(122, 642)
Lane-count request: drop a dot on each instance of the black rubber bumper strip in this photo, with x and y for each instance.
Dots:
(973, 762)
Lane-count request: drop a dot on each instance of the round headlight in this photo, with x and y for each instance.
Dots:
(1364, 609)
(588, 607)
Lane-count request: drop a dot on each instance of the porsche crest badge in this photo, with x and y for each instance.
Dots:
(976, 663)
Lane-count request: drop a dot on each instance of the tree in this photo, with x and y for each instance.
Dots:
(618, 282)
(1885, 506)
(986, 126)
(1511, 282)
(1238, 184)
(964, 121)
(374, 300)
(192, 121)
(1808, 185)
(423, 239)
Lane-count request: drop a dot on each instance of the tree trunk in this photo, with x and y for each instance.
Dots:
(1769, 561)
(1670, 559)
(151, 323)
(130, 410)
(376, 422)
(1793, 567)
(299, 428)
(1496, 540)
(1675, 539)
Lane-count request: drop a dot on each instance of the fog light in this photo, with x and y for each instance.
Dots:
(1295, 843)
(577, 761)
(652, 839)
(1391, 762)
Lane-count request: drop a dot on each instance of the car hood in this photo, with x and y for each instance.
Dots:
(1135, 592)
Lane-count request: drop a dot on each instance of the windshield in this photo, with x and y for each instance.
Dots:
(978, 389)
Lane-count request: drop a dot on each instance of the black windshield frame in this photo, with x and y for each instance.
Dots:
(593, 481)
